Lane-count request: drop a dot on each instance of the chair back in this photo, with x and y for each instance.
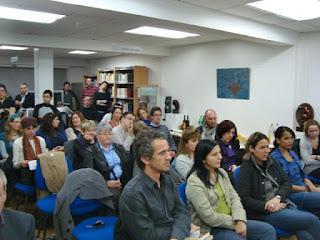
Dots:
(182, 192)
(236, 176)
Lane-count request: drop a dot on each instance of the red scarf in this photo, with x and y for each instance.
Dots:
(28, 151)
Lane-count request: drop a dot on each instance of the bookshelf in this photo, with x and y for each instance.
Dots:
(124, 83)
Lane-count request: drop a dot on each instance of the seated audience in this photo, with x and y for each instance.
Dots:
(82, 142)
(114, 117)
(209, 126)
(149, 204)
(50, 130)
(226, 136)
(188, 142)
(4, 116)
(89, 89)
(264, 190)
(102, 100)
(74, 129)
(27, 148)
(6, 102)
(310, 148)
(70, 99)
(24, 99)
(155, 115)
(109, 159)
(88, 111)
(214, 205)
(46, 107)
(15, 225)
(142, 115)
(12, 131)
(123, 133)
(304, 193)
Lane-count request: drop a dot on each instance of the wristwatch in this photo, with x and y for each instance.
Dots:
(279, 197)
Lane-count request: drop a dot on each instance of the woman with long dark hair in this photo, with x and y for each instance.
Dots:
(304, 193)
(226, 136)
(50, 130)
(214, 204)
(264, 190)
(74, 129)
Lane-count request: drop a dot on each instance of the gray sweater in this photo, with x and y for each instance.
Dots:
(309, 161)
(86, 183)
(165, 131)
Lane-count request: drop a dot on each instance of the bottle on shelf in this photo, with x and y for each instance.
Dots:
(187, 122)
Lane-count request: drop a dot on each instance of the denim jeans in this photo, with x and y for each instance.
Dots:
(307, 201)
(256, 230)
(303, 224)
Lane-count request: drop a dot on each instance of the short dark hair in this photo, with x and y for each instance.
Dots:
(47, 92)
(142, 145)
(28, 122)
(280, 132)
(65, 83)
(4, 87)
(25, 84)
(154, 109)
(224, 127)
(127, 113)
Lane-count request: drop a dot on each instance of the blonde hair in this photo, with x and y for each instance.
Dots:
(187, 134)
(252, 142)
(87, 125)
(307, 124)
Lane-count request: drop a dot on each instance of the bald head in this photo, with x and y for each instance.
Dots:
(210, 118)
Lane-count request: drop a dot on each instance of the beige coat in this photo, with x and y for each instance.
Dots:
(202, 203)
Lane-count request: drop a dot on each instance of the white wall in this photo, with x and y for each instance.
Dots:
(189, 75)
(308, 71)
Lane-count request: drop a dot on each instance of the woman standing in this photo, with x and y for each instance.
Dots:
(226, 135)
(27, 148)
(214, 204)
(50, 130)
(304, 193)
(310, 148)
(74, 129)
(102, 100)
(188, 142)
(264, 190)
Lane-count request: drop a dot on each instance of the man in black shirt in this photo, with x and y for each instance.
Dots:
(70, 98)
(24, 99)
(89, 112)
(149, 204)
(6, 103)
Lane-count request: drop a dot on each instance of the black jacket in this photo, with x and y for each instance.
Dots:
(251, 187)
(96, 157)
(28, 101)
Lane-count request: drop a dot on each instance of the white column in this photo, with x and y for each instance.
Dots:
(43, 72)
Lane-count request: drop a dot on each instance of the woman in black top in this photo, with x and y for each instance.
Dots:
(264, 188)
(102, 100)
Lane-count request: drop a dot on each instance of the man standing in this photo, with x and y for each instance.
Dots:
(70, 99)
(155, 124)
(209, 126)
(24, 99)
(14, 225)
(89, 89)
(149, 205)
(123, 133)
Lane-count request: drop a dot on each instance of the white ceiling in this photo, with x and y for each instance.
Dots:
(85, 23)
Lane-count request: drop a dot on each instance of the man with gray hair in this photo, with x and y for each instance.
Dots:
(149, 204)
(14, 225)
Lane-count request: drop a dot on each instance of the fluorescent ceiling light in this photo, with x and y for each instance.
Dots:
(28, 15)
(295, 9)
(161, 32)
(16, 48)
(81, 52)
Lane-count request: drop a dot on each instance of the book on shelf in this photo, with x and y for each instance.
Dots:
(124, 93)
(127, 106)
(106, 77)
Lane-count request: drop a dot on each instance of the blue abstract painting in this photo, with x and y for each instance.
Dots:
(233, 83)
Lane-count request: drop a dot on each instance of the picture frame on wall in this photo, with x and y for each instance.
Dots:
(233, 83)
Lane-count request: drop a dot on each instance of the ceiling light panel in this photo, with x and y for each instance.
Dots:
(15, 48)
(81, 52)
(161, 32)
(28, 15)
(294, 9)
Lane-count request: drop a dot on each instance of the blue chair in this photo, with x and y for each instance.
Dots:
(26, 193)
(279, 232)
(88, 229)
(313, 179)
(182, 192)
(46, 205)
